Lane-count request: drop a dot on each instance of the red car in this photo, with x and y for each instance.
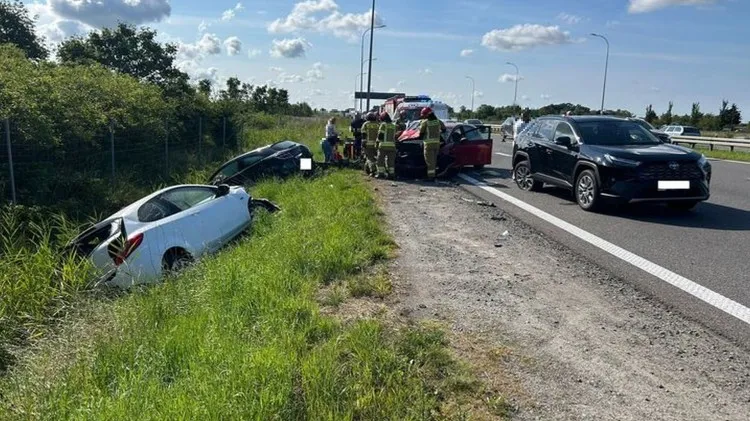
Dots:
(461, 145)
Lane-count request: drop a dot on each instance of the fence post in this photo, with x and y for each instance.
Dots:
(10, 162)
(166, 146)
(224, 134)
(112, 145)
(200, 135)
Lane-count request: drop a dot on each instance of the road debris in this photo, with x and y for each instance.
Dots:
(500, 217)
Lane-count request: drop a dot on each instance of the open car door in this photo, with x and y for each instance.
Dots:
(471, 145)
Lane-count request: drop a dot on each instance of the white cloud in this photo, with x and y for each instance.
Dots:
(276, 69)
(289, 48)
(545, 96)
(203, 27)
(525, 97)
(316, 73)
(233, 45)
(654, 89)
(612, 23)
(193, 69)
(323, 16)
(209, 44)
(317, 92)
(254, 53)
(569, 19)
(507, 77)
(230, 14)
(425, 71)
(644, 6)
(392, 90)
(466, 53)
(401, 83)
(521, 37)
(289, 78)
(98, 13)
(478, 94)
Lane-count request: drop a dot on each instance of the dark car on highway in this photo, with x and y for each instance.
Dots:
(601, 158)
(280, 159)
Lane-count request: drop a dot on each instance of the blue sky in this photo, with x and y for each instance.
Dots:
(661, 50)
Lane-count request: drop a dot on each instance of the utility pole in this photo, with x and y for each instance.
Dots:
(472, 94)
(369, 70)
(606, 65)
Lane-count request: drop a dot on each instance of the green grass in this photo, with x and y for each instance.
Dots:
(39, 286)
(729, 155)
(241, 336)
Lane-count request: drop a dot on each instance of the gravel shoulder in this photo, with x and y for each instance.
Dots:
(581, 344)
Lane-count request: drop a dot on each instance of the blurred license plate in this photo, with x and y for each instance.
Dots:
(674, 185)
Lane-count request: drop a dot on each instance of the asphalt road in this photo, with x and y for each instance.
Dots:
(709, 246)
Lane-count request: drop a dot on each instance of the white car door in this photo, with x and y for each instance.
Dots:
(198, 223)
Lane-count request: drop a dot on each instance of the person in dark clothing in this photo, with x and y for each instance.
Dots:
(356, 128)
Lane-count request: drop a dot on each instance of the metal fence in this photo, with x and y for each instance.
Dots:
(30, 169)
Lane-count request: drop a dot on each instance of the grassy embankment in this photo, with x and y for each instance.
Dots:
(242, 334)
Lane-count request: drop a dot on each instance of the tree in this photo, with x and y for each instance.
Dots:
(204, 87)
(734, 116)
(16, 27)
(724, 117)
(695, 114)
(666, 118)
(128, 50)
(651, 116)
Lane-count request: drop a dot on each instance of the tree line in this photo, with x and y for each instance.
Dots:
(118, 82)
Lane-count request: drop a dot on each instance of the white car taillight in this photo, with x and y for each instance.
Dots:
(128, 249)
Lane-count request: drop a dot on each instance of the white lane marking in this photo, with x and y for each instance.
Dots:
(503, 154)
(704, 294)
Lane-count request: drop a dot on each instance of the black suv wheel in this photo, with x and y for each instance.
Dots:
(587, 191)
(524, 181)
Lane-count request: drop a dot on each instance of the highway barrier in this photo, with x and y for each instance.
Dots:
(712, 142)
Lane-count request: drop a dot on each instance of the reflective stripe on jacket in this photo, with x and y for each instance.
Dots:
(431, 130)
(370, 129)
(387, 134)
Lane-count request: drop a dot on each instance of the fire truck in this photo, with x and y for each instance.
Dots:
(413, 106)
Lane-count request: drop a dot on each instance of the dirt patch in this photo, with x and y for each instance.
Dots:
(580, 343)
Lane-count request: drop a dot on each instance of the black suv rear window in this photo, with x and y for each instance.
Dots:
(691, 131)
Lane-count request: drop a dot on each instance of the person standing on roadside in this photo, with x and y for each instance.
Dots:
(386, 147)
(521, 124)
(370, 130)
(356, 128)
(429, 132)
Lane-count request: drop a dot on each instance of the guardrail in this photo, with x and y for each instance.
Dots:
(712, 141)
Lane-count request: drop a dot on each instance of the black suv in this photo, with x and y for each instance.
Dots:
(601, 157)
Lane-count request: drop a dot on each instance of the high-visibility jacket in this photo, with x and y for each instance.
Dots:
(387, 134)
(430, 131)
(370, 130)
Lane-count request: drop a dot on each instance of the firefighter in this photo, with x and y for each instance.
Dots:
(386, 147)
(369, 142)
(429, 132)
(356, 128)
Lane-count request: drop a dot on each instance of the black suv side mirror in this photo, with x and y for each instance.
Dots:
(223, 190)
(564, 141)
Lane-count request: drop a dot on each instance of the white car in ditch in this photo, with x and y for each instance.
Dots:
(165, 231)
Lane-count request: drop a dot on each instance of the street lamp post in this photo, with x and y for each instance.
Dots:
(472, 94)
(606, 66)
(360, 83)
(357, 76)
(369, 70)
(362, 59)
(515, 94)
